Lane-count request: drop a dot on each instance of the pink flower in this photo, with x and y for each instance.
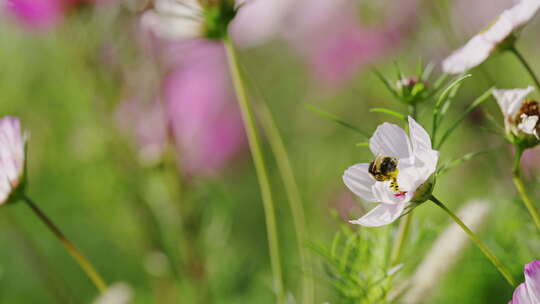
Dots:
(145, 120)
(205, 122)
(196, 108)
(337, 44)
(530, 161)
(12, 155)
(36, 14)
(528, 292)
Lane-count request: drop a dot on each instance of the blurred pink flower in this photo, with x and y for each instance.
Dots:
(145, 121)
(530, 161)
(36, 14)
(337, 43)
(206, 124)
(258, 21)
(197, 109)
(528, 292)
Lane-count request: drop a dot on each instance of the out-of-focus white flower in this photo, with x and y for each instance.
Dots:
(528, 292)
(520, 115)
(444, 253)
(175, 19)
(12, 155)
(118, 293)
(478, 49)
(415, 161)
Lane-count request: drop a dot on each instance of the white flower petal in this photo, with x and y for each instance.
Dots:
(511, 100)
(521, 296)
(528, 124)
(391, 140)
(426, 163)
(498, 31)
(384, 194)
(178, 8)
(259, 20)
(360, 182)
(468, 56)
(171, 27)
(420, 139)
(532, 280)
(12, 149)
(381, 215)
(478, 49)
(522, 13)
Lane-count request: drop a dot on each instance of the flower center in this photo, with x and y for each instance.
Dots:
(528, 109)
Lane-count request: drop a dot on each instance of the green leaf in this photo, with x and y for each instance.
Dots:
(389, 112)
(386, 83)
(337, 120)
(362, 144)
(399, 73)
(442, 98)
(478, 101)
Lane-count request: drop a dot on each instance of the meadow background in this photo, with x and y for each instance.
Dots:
(68, 80)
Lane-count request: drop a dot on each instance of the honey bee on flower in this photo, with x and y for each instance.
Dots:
(399, 175)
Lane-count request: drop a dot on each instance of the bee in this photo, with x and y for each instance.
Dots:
(384, 168)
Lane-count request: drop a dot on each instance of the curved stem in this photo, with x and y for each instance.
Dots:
(485, 250)
(295, 200)
(520, 186)
(260, 168)
(85, 264)
(525, 65)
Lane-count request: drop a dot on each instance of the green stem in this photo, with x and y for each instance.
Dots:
(85, 264)
(399, 242)
(260, 168)
(526, 65)
(485, 250)
(294, 197)
(520, 186)
(405, 222)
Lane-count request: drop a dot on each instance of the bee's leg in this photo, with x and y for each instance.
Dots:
(394, 185)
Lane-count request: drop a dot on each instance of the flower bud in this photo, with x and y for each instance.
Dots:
(412, 89)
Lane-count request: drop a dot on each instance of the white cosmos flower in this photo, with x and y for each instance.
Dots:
(519, 114)
(478, 49)
(175, 19)
(417, 161)
(12, 146)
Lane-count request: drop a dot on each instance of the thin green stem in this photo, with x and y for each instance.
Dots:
(522, 190)
(405, 222)
(526, 65)
(294, 197)
(485, 250)
(260, 168)
(399, 242)
(85, 264)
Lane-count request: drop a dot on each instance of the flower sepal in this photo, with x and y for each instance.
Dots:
(424, 191)
(217, 17)
(413, 89)
(523, 141)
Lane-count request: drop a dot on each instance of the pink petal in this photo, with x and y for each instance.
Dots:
(532, 280)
